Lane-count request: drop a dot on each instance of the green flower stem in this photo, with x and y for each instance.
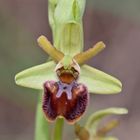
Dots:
(41, 128)
(58, 129)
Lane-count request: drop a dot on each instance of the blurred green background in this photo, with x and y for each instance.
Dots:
(117, 23)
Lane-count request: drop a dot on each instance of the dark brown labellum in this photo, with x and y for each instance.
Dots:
(62, 99)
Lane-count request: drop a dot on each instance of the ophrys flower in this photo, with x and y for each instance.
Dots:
(65, 97)
(66, 81)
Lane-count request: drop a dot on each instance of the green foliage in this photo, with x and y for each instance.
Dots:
(94, 120)
(91, 130)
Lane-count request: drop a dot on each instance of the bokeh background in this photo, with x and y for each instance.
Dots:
(115, 22)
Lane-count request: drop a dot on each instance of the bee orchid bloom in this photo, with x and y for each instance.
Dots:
(67, 81)
(65, 97)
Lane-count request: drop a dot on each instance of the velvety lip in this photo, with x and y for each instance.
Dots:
(67, 100)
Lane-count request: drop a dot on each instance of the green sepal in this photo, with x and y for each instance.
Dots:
(72, 42)
(67, 26)
(94, 119)
(36, 76)
(98, 81)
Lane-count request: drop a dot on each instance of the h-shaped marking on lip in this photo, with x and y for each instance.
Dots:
(67, 88)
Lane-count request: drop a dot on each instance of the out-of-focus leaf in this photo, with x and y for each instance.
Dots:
(81, 132)
(105, 129)
(98, 81)
(95, 118)
(35, 77)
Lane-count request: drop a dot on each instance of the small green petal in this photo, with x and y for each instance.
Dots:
(36, 76)
(82, 57)
(95, 118)
(98, 81)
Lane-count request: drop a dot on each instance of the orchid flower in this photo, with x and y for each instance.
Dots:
(67, 81)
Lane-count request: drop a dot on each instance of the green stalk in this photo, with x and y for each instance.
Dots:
(41, 128)
(65, 18)
(58, 129)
